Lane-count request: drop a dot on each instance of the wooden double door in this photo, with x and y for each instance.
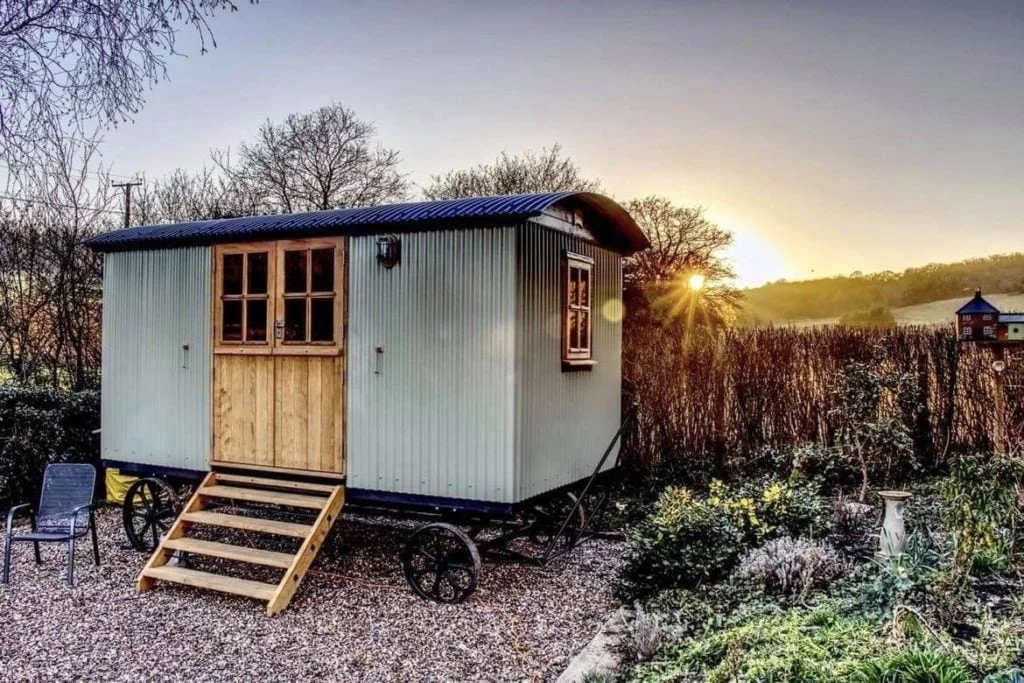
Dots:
(279, 354)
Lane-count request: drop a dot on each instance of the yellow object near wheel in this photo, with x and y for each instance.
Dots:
(117, 484)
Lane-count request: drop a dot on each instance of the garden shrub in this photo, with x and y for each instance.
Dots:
(980, 513)
(913, 666)
(854, 528)
(791, 567)
(800, 646)
(40, 426)
(767, 508)
(685, 541)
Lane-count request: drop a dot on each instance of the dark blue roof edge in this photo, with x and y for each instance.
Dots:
(615, 228)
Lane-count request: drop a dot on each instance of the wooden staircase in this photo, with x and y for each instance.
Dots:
(220, 487)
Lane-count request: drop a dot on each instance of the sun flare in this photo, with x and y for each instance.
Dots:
(696, 281)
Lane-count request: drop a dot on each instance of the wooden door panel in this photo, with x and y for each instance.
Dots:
(279, 403)
(307, 402)
(243, 409)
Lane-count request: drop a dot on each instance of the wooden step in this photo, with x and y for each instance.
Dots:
(266, 526)
(276, 483)
(217, 582)
(261, 496)
(231, 552)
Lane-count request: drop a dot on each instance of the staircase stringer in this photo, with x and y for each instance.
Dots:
(307, 552)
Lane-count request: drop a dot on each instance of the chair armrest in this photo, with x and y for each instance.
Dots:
(13, 512)
(76, 512)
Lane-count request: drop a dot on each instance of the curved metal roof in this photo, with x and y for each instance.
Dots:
(614, 227)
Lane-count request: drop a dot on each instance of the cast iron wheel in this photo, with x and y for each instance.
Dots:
(441, 563)
(546, 518)
(150, 507)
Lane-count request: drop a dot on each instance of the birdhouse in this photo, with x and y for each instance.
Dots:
(977, 320)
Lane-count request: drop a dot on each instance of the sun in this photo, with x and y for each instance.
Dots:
(696, 281)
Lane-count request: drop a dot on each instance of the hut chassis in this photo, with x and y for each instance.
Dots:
(441, 559)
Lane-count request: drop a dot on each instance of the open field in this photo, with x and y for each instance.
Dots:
(933, 313)
(353, 619)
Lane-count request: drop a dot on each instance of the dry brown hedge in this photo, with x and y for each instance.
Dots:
(710, 403)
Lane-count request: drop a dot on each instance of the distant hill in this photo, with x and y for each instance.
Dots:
(936, 284)
(932, 313)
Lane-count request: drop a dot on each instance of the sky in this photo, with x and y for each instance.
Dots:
(830, 137)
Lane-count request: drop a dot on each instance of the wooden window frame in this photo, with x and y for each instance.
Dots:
(275, 296)
(242, 345)
(579, 357)
(311, 348)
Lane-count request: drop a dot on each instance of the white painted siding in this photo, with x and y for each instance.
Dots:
(565, 419)
(156, 395)
(433, 414)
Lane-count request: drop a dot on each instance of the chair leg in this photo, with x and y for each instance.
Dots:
(7, 559)
(39, 558)
(71, 561)
(95, 547)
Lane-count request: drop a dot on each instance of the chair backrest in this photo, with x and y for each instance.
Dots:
(65, 487)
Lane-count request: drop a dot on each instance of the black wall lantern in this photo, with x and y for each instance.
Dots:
(389, 251)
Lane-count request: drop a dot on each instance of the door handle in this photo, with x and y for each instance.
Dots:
(278, 329)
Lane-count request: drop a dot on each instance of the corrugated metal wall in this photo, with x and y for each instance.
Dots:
(156, 395)
(433, 414)
(564, 420)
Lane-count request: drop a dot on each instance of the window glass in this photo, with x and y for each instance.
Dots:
(295, 320)
(322, 278)
(574, 278)
(232, 284)
(231, 325)
(584, 288)
(295, 272)
(584, 333)
(256, 277)
(256, 320)
(321, 320)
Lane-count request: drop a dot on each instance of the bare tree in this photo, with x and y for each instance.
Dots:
(182, 196)
(49, 283)
(81, 66)
(684, 245)
(547, 171)
(324, 159)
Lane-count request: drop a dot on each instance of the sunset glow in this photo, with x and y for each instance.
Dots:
(696, 281)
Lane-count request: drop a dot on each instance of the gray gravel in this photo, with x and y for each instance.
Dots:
(353, 619)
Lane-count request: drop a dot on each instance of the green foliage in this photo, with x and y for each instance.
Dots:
(685, 541)
(872, 399)
(913, 666)
(876, 318)
(980, 513)
(38, 427)
(689, 540)
(799, 646)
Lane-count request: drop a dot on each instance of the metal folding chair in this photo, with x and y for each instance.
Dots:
(60, 517)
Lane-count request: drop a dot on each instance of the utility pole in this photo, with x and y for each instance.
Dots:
(127, 199)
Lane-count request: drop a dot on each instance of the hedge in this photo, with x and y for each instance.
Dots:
(40, 426)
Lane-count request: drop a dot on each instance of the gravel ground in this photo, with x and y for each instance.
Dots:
(353, 618)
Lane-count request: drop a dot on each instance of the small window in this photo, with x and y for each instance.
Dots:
(967, 332)
(578, 294)
(966, 317)
(244, 298)
(309, 294)
(988, 331)
(987, 317)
